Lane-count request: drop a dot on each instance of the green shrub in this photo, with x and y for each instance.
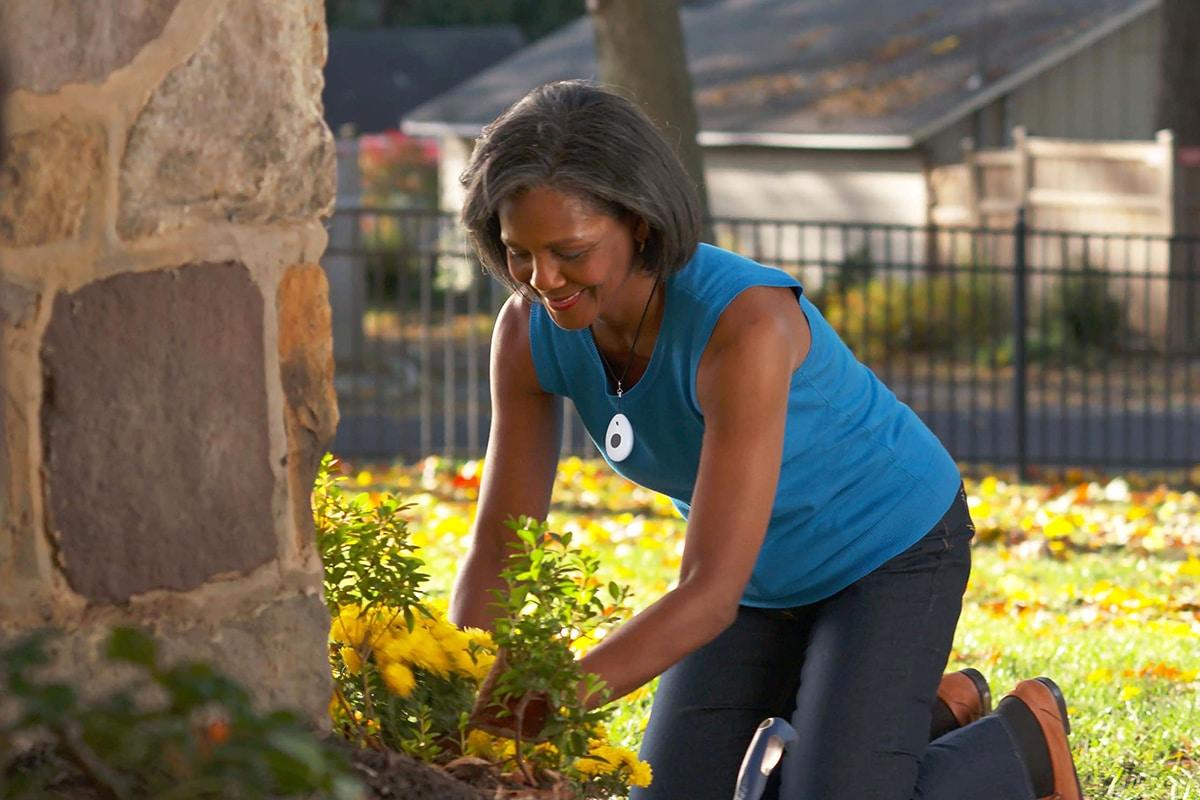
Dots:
(200, 737)
(856, 269)
(1080, 320)
(960, 316)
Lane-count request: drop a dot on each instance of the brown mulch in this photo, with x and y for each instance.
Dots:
(395, 776)
(387, 775)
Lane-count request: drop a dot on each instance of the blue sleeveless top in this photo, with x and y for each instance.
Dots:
(862, 477)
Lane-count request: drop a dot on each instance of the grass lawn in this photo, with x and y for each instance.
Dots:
(1091, 581)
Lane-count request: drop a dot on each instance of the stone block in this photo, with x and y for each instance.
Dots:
(17, 306)
(16, 303)
(54, 42)
(237, 132)
(46, 181)
(154, 429)
(306, 369)
(278, 651)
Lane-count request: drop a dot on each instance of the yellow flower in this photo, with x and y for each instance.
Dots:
(592, 765)
(1100, 675)
(1129, 691)
(605, 759)
(347, 627)
(493, 748)
(399, 679)
(394, 646)
(427, 653)
(351, 659)
(480, 638)
(335, 707)
(640, 774)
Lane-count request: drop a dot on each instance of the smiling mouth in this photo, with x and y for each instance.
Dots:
(563, 302)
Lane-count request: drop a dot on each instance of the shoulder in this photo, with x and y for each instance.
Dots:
(513, 319)
(762, 318)
(730, 289)
(761, 338)
(512, 353)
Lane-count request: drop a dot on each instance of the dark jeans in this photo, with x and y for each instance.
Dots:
(856, 674)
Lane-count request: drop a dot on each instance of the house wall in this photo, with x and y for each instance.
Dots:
(776, 187)
(778, 184)
(825, 185)
(1106, 91)
(453, 154)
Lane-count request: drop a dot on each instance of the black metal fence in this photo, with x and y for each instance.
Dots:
(1016, 346)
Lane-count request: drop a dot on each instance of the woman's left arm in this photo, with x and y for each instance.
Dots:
(742, 385)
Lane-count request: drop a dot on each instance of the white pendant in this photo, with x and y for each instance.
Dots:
(618, 440)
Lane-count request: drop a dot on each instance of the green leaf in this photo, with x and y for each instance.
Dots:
(133, 647)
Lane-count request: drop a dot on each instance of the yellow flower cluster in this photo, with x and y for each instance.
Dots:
(434, 645)
(601, 759)
(605, 759)
(492, 748)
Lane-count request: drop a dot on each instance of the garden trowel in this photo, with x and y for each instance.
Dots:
(765, 751)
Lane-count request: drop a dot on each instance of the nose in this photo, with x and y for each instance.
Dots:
(545, 275)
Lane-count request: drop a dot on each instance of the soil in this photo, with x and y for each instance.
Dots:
(386, 775)
(395, 776)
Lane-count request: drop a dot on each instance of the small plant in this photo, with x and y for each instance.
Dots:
(407, 678)
(404, 675)
(365, 549)
(199, 739)
(552, 598)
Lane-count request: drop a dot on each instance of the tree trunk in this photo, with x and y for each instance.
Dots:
(639, 46)
(1179, 112)
(1179, 71)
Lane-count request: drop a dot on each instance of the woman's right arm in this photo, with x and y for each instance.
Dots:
(519, 468)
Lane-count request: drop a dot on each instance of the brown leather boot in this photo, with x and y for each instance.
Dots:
(966, 694)
(1045, 700)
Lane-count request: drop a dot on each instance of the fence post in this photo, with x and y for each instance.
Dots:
(344, 264)
(1020, 268)
(969, 161)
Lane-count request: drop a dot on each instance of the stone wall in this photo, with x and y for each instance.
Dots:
(165, 352)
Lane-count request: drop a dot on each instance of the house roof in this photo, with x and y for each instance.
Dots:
(373, 77)
(861, 74)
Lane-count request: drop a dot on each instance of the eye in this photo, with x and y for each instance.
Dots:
(516, 255)
(572, 256)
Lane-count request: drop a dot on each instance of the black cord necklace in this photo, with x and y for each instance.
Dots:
(618, 440)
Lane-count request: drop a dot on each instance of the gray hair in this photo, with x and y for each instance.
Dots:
(581, 138)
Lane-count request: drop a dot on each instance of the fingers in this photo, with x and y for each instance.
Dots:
(527, 715)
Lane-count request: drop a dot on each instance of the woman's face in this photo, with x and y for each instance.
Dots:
(574, 256)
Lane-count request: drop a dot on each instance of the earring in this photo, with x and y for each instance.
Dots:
(641, 247)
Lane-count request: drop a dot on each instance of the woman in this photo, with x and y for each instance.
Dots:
(827, 545)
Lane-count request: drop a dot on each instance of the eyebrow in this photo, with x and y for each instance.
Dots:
(557, 243)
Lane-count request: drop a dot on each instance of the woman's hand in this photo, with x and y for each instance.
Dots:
(522, 718)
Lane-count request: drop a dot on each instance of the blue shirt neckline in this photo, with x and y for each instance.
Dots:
(656, 356)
